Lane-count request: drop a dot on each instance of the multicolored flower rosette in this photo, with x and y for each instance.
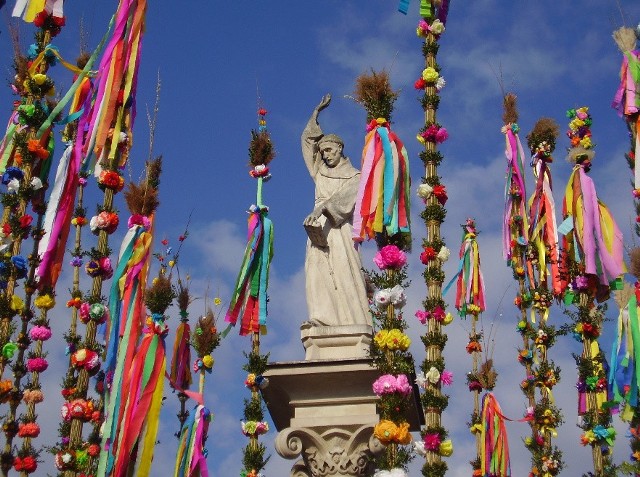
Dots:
(254, 428)
(433, 442)
(435, 377)
(92, 312)
(205, 363)
(107, 221)
(256, 382)
(438, 314)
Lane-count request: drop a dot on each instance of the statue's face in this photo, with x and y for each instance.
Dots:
(331, 153)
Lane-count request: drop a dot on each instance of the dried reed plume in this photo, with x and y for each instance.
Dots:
(260, 148)
(373, 91)
(510, 114)
(143, 198)
(545, 130)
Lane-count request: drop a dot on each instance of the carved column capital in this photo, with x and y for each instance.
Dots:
(334, 451)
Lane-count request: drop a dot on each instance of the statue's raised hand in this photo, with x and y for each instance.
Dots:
(324, 102)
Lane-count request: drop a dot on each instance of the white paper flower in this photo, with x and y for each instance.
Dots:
(36, 183)
(390, 473)
(13, 185)
(424, 191)
(418, 448)
(437, 27)
(433, 375)
(397, 296)
(443, 254)
(382, 298)
(440, 83)
(122, 138)
(421, 379)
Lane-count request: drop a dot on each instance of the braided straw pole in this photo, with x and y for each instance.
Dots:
(43, 37)
(434, 402)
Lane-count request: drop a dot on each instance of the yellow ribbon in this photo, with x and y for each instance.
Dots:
(38, 59)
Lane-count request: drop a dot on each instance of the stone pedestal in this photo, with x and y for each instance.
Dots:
(324, 407)
(335, 342)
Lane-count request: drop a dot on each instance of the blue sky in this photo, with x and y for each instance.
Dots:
(213, 57)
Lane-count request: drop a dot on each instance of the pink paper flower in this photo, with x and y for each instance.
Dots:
(385, 384)
(432, 442)
(40, 333)
(402, 385)
(442, 135)
(438, 314)
(446, 378)
(37, 365)
(390, 256)
(422, 316)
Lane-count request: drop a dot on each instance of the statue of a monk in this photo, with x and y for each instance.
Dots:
(335, 285)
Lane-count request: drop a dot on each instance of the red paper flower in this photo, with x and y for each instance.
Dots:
(427, 255)
(25, 221)
(30, 429)
(420, 84)
(27, 464)
(440, 192)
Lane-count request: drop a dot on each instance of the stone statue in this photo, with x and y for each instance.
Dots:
(335, 284)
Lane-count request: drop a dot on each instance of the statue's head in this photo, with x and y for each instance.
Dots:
(330, 147)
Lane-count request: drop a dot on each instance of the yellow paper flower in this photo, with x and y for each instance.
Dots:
(430, 75)
(392, 340)
(420, 139)
(586, 142)
(172, 263)
(45, 302)
(447, 319)
(381, 121)
(385, 431)
(208, 361)
(16, 303)
(446, 448)
(403, 436)
(217, 301)
(39, 78)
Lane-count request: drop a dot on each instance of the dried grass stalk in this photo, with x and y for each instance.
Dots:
(634, 256)
(509, 104)
(373, 91)
(143, 198)
(260, 149)
(206, 337)
(545, 130)
(625, 38)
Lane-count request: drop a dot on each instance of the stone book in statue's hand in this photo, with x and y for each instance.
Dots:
(317, 237)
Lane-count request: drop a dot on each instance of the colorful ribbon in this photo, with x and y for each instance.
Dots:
(594, 239)
(382, 202)
(181, 357)
(249, 297)
(191, 456)
(470, 294)
(543, 230)
(494, 453)
(514, 224)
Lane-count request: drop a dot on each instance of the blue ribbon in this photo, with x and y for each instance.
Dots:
(403, 6)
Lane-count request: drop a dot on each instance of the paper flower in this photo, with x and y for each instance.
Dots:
(428, 254)
(443, 254)
(391, 473)
(432, 442)
(422, 316)
(32, 395)
(433, 375)
(421, 379)
(37, 365)
(387, 431)
(45, 302)
(430, 75)
(446, 448)
(40, 333)
(382, 298)
(440, 83)
(29, 429)
(424, 191)
(392, 339)
(390, 257)
(418, 448)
